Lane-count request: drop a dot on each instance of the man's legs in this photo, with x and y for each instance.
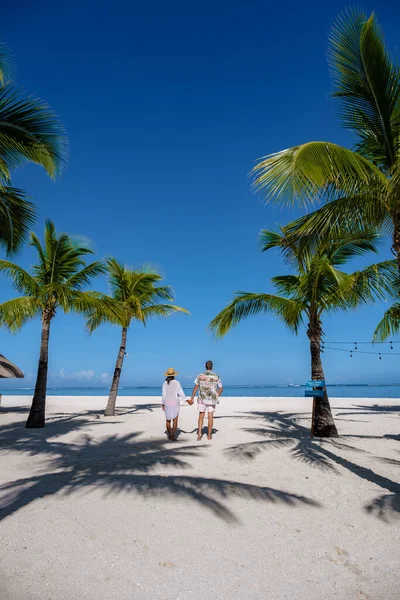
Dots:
(210, 424)
(200, 427)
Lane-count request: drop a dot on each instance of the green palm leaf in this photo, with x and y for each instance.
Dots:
(376, 282)
(343, 214)
(6, 65)
(247, 304)
(390, 324)
(21, 280)
(85, 275)
(368, 85)
(16, 217)
(29, 131)
(311, 172)
(18, 311)
(162, 310)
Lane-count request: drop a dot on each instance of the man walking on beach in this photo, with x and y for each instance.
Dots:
(209, 386)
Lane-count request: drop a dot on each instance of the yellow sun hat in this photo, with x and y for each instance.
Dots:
(170, 373)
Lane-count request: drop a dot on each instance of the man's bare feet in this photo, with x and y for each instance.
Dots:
(199, 436)
(209, 437)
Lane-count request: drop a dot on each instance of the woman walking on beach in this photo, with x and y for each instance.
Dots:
(171, 393)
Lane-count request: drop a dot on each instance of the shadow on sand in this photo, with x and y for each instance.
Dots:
(284, 430)
(117, 464)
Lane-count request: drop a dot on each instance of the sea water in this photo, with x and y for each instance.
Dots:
(259, 391)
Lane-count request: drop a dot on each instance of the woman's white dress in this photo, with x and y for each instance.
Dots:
(172, 393)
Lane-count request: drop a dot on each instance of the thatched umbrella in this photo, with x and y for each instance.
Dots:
(8, 369)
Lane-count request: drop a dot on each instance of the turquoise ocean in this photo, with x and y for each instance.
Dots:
(291, 390)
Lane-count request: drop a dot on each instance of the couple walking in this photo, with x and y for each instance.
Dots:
(209, 388)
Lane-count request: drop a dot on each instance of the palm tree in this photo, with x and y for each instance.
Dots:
(317, 287)
(134, 296)
(360, 187)
(29, 132)
(58, 279)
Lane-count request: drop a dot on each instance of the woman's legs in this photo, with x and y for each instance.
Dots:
(168, 425)
(174, 428)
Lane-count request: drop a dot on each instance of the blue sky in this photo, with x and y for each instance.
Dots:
(167, 106)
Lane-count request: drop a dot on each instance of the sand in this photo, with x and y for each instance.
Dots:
(96, 508)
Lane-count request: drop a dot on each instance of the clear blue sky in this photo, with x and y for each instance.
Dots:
(166, 106)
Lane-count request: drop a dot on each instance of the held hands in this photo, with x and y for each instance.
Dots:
(190, 401)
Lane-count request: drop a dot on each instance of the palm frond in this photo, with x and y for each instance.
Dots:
(17, 215)
(21, 280)
(288, 285)
(246, 304)
(389, 325)
(162, 310)
(18, 311)
(84, 276)
(344, 214)
(314, 171)
(30, 131)
(352, 244)
(376, 282)
(367, 82)
(6, 65)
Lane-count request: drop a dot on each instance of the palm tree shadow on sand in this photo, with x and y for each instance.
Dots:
(118, 464)
(284, 430)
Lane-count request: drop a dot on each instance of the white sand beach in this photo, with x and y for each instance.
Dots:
(96, 508)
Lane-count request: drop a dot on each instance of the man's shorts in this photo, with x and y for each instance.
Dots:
(209, 408)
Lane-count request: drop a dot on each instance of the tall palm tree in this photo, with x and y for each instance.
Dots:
(360, 186)
(29, 132)
(135, 295)
(56, 284)
(318, 286)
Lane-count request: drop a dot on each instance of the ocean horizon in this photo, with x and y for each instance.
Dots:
(351, 390)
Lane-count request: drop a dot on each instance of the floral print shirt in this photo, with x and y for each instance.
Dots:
(209, 383)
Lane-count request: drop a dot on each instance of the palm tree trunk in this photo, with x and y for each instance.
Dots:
(110, 408)
(396, 238)
(37, 413)
(323, 424)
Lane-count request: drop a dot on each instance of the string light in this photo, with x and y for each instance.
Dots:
(380, 354)
(357, 344)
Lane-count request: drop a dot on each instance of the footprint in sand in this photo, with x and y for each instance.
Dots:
(342, 559)
(167, 564)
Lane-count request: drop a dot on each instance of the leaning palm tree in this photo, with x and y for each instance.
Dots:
(360, 186)
(56, 284)
(135, 296)
(29, 132)
(317, 287)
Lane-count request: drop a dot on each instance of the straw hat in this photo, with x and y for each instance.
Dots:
(171, 372)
